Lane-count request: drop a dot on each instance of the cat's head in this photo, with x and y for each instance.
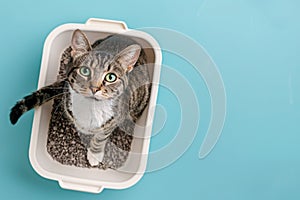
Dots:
(98, 74)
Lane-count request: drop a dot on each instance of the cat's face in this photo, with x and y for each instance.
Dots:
(98, 74)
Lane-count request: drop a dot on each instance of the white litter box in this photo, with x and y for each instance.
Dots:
(91, 179)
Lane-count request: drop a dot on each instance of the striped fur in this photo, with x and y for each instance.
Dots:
(37, 99)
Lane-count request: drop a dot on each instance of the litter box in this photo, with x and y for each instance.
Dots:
(91, 179)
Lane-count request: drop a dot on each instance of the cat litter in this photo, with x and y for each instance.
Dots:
(61, 154)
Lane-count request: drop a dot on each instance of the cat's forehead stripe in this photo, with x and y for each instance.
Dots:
(97, 61)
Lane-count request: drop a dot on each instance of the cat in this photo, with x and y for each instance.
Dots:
(104, 87)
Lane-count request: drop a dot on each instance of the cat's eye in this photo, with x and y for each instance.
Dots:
(85, 71)
(110, 77)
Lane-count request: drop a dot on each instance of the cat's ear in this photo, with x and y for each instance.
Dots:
(129, 56)
(80, 44)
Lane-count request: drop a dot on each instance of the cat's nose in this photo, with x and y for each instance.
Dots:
(94, 89)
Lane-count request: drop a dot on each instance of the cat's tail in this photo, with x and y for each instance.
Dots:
(37, 99)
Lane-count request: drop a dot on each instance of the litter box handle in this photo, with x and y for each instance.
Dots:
(107, 24)
(80, 186)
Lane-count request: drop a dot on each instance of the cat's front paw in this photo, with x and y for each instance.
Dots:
(94, 158)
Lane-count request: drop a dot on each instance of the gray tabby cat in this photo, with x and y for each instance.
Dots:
(103, 88)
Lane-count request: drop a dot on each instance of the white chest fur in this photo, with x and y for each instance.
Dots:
(89, 114)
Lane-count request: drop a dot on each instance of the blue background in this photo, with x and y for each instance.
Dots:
(256, 47)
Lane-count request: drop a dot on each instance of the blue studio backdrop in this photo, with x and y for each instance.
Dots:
(255, 45)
